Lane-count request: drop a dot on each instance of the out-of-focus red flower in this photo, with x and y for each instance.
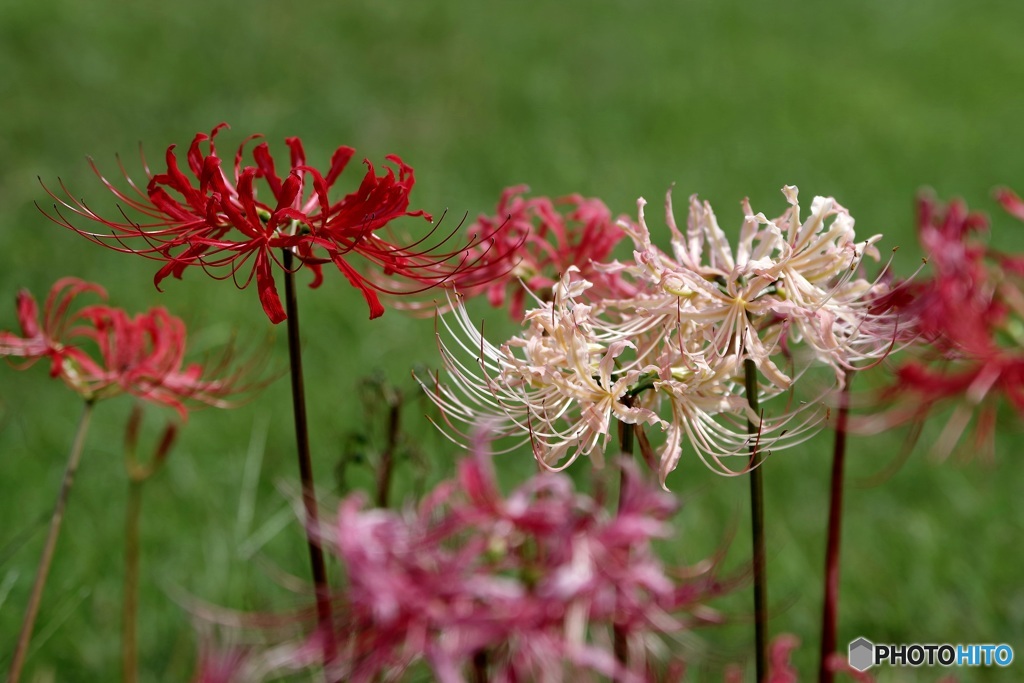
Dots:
(780, 669)
(969, 318)
(545, 241)
(38, 341)
(216, 219)
(101, 351)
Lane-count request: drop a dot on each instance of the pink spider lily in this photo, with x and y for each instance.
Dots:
(531, 581)
(101, 351)
(546, 241)
(215, 219)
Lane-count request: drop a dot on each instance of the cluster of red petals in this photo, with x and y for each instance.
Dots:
(969, 316)
(236, 222)
(101, 351)
(547, 239)
(537, 578)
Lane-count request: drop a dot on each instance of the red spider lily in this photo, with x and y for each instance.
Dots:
(546, 242)
(969, 317)
(216, 220)
(101, 351)
(35, 341)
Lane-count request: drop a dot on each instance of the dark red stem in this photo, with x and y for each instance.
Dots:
(830, 611)
(312, 521)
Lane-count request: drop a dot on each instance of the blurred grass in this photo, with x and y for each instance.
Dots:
(865, 101)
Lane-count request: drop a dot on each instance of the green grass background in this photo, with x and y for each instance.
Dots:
(866, 101)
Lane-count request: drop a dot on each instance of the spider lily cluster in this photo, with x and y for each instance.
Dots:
(666, 339)
(533, 580)
(710, 344)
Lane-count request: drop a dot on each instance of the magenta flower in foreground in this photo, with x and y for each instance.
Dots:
(235, 224)
(101, 351)
(531, 583)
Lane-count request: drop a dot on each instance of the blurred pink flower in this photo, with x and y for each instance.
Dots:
(532, 581)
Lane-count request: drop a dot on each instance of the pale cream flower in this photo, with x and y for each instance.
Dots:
(557, 384)
(673, 354)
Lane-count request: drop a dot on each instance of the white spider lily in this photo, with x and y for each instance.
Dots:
(558, 383)
(673, 353)
(788, 273)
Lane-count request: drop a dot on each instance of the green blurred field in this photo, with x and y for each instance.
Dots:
(864, 101)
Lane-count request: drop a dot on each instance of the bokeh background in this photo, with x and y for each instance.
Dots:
(866, 101)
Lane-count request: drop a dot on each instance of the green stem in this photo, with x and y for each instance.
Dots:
(43, 571)
(130, 605)
(312, 523)
(830, 609)
(757, 528)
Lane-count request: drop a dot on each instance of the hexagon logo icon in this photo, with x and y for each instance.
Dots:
(862, 654)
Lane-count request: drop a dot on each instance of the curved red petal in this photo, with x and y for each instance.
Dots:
(357, 281)
(268, 290)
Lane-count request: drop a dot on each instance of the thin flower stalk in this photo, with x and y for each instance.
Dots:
(830, 602)
(130, 599)
(43, 569)
(309, 500)
(757, 528)
(138, 474)
(621, 644)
